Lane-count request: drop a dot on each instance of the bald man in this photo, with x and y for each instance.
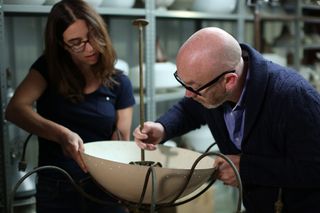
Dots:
(263, 116)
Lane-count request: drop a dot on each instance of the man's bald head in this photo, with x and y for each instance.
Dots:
(209, 48)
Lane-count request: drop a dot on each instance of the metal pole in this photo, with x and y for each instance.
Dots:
(141, 23)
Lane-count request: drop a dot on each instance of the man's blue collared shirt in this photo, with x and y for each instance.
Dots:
(234, 118)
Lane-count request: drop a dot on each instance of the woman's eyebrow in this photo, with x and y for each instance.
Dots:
(74, 39)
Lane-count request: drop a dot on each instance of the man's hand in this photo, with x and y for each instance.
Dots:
(151, 134)
(225, 171)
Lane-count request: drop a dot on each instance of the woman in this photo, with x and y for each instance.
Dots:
(79, 97)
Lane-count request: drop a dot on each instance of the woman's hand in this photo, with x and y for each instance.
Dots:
(72, 146)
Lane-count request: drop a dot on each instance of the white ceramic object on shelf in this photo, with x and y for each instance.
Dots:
(306, 72)
(109, 164)
(33, 2)
(51, 2)
(181, 5)
(216, 6)
(162, 4)
(276, 58)
(163, 76)
(94, 3)
(199, 139)
(123, 66)
(118, 3)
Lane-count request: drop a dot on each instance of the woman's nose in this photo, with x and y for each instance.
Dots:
(88, 47)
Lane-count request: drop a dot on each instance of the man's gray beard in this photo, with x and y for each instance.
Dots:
(218, 104)
(213, 106)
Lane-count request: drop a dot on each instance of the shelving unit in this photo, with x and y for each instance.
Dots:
(35, 15)
(239, 23)
(309, 23)
(4, 146)
(302, 19)
(310, 41)
(267, 20)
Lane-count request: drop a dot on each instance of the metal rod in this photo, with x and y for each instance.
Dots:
(141, 23)
(257, 27)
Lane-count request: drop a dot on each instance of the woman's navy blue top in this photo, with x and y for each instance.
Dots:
(93, 119)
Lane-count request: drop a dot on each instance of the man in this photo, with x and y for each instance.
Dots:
(264, 117)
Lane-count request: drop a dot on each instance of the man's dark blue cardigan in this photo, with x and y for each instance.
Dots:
(281, 143)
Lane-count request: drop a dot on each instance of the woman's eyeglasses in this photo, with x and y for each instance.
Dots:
(197, 91)
(78, 46)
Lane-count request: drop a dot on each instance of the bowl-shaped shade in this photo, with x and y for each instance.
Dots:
(108, 163)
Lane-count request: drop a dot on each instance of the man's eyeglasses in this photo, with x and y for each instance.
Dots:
(197, 91)
(78, 46)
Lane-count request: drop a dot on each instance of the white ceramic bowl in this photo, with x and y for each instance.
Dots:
(24, 2)
(217, 6)
(163, 76)
(108, 163)
(118, 3)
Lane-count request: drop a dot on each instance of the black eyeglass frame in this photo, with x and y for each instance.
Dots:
(81, 46)
(210, 83)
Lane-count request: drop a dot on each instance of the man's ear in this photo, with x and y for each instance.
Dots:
(230, 81)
